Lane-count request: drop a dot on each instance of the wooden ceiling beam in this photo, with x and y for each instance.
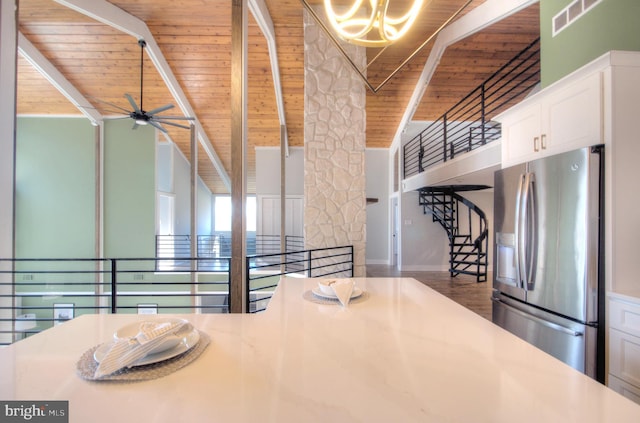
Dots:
(107, 13)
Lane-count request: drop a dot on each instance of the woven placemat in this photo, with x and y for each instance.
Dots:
(87, 365)
(310, 296)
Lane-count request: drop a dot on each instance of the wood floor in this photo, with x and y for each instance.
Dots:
(462, 289)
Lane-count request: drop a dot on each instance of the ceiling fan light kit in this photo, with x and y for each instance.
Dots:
(371, 25)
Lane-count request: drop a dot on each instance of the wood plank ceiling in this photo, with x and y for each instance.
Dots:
(195, 38)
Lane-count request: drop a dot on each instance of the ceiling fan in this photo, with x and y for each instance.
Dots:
(151, 117)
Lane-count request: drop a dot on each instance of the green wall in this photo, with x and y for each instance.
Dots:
(55, 189)
(129, 190)
(55, 204)
(55, 217)
(610, 25)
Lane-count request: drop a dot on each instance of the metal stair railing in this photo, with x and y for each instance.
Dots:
(468, 125)
(468, 246)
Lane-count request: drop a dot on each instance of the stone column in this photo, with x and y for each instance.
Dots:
(335, 141)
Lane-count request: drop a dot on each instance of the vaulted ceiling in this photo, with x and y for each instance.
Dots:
(194, 37)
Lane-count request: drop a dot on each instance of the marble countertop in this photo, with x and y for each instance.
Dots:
(404, 353)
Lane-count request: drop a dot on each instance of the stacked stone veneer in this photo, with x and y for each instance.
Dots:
(335, 140)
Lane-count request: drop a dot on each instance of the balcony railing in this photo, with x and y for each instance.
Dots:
(40, 293)
(264, 271)
(36, 294)
(468, 125)
(174, 248)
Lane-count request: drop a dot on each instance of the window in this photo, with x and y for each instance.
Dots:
(166, 210)
(222, 212)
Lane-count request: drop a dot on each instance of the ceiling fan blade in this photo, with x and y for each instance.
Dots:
(157, 125)
(171, 123)
(135, 125)
(133, 103)
(160, 109)
(175, 117)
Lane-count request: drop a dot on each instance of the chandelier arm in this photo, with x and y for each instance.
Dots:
(348, 15)
(340, 22)
(408, 19)
(382, 27)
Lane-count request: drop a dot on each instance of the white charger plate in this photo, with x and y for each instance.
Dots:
(187, 342)
(354, 294)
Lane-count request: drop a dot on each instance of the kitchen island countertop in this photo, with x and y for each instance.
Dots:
(401, 353)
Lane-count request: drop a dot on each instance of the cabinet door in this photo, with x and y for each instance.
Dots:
(521, 135)
(624, 356)
(625, 316)
(572, 116)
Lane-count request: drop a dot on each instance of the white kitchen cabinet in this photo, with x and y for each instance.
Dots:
(624, 346)
(521, 134)
(564, 117)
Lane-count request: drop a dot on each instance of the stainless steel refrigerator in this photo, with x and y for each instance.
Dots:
(548, 284)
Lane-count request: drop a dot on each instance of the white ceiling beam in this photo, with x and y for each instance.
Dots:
(488, 13)
(57, 79)
(263, 18)
(111, 15)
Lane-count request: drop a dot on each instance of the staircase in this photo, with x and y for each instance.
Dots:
(467, 231)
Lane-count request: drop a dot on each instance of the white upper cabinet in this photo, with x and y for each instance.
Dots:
(561, 118)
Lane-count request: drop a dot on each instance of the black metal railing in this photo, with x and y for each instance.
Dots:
(264, 272)
(211, 246)
(36, 294)
(39, 293)
(468, 125)
(215, 246)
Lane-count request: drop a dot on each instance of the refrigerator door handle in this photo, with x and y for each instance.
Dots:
(537, 319)
(518, 235)
(529, 239)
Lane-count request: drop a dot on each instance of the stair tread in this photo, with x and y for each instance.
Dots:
(465, 255)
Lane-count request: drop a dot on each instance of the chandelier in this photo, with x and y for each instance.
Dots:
(373, 27)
